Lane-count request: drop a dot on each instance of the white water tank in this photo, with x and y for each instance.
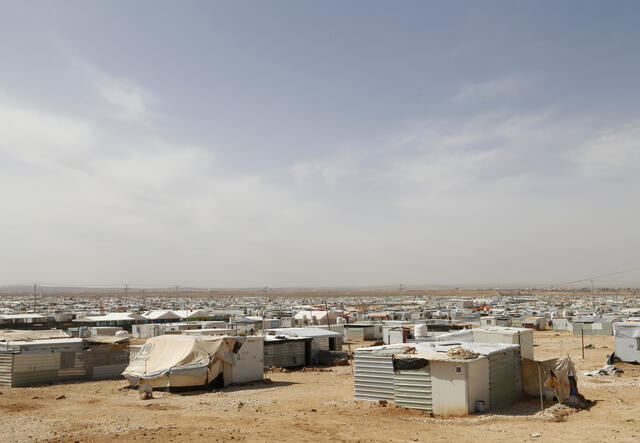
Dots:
(341, 320)
(122, 334)
(420, 330)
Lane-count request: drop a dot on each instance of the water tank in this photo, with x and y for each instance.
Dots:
(122, 334)
(420, 331)
(341, 321)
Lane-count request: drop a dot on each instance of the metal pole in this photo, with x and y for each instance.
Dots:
(35, 292)
(582, 337)
(540, 384)
(327, 311)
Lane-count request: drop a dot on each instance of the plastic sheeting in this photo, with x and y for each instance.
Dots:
(626, 330)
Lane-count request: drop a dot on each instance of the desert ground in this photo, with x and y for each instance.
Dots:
(316, 404)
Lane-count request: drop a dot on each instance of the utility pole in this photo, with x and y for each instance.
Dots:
(126, 291)
(593, 295)
(327, 311)
(35, 292)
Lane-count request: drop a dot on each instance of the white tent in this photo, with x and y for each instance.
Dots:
(179, 360)
(161, 315)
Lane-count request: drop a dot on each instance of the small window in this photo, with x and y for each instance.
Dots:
(458, 369)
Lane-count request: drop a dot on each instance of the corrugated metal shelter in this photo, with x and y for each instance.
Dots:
(363, 331)
(497, 334)
(373, 373)
(323, 339)
(505, 378)
(431, 379)
(593, 326)
(412, 389)
(287, 352)
(29, 363)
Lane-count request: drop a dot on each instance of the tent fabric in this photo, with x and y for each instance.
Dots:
(562, 370)
(179, 360)
(626, 330)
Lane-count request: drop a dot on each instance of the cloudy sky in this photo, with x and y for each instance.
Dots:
(318, 143)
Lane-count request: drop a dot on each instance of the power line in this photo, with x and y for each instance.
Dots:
(636, 268)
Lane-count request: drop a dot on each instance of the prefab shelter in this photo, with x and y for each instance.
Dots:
(125, 319)
(561, 324)
(33, 362)
(627, 341)
(363, 331)
(492, 320)
(593, 326)
(323, 339)
(517, 336)
(287, 352)
(182, 361)
(537, 323)
(428, 376)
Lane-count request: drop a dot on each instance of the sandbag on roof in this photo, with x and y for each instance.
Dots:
(179, 360)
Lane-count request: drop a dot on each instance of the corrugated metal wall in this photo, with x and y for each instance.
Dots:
(36, 368)
(42, 367)
(505, 383)
(605, 328)
(107, 361)
(320, 344)
(373, 377)
(6, 368)
(285, 354)
(412, 389)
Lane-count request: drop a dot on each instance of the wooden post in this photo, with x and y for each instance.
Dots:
(540, 384)
(582, 337)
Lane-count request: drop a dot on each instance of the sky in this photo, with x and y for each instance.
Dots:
(305, 143)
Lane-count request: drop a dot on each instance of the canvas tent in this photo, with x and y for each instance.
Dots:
(180, 361)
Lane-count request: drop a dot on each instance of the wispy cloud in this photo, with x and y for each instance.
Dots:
(494, 89)
(122, 98)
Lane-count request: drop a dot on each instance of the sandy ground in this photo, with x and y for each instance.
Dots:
(315, 406)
